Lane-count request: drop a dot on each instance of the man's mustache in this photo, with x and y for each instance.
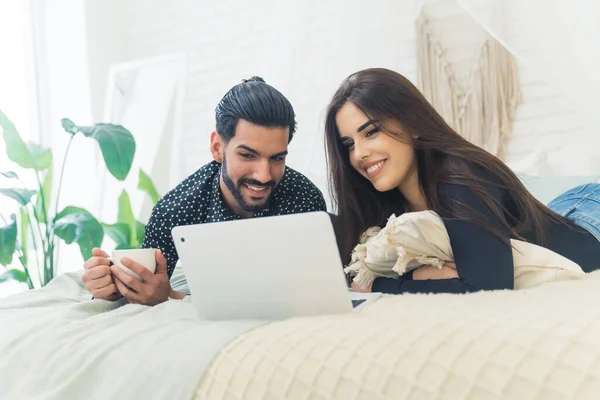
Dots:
(254, 182)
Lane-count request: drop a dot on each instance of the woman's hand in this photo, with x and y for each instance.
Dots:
(359, 289)
(448, 271)
(426, 272)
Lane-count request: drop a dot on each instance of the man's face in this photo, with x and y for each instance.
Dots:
(253, 165)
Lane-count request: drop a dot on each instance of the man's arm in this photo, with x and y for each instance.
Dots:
(158, 236)
(314, 199)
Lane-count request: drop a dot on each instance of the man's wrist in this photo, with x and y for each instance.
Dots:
(176, 295)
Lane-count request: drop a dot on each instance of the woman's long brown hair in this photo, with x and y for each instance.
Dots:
(442, 156)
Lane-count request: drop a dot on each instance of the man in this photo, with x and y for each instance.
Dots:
(248, 178)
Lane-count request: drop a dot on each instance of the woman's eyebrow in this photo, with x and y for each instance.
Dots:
(363, 126)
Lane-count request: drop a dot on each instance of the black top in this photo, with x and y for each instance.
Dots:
(198, 200)
(484, 261)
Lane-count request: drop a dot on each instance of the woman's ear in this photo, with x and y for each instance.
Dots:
(217, 146)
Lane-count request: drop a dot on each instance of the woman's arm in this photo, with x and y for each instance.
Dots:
(483, 261)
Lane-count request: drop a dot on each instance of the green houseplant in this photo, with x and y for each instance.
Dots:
(32, 235)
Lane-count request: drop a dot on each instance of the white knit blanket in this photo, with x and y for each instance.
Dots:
(538, 343)
(420, 238)
(534, 344)
(57, 343)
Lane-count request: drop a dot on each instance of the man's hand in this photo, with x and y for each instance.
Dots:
(97, 277)
(153, 289)
(426, 272)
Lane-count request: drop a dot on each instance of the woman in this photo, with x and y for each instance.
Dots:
(390, 152)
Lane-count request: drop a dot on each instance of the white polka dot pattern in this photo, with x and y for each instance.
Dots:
(198, 200)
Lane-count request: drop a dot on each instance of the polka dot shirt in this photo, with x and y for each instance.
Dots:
(198, 199)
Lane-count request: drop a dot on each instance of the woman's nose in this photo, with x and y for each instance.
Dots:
(360, 151)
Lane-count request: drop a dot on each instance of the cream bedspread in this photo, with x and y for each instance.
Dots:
(57, 344)
(539, 343)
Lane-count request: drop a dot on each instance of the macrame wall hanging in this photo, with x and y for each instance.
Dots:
(470, 78)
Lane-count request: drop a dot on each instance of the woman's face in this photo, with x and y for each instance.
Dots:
(385, 161)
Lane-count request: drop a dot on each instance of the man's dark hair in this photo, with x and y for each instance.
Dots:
(254, 101)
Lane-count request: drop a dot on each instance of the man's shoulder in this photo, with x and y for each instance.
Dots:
(297, 193)
(296, 181)
(193, 185)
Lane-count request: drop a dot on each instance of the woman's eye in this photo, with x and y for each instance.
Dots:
(348, 145)
(372, 132)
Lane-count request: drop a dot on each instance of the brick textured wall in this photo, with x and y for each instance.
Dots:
(305, 50)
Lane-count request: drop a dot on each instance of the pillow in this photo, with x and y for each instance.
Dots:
(420, 238)
(534, 164)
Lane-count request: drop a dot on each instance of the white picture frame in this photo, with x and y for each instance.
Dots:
(146, 97)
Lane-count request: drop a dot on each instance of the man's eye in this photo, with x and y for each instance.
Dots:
(279, 159)
(247, 155)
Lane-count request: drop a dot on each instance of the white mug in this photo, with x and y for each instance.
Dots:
(145, 257)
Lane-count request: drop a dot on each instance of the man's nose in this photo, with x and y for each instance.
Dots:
(263, 172)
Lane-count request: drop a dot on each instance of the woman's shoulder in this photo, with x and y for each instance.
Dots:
(469, 181)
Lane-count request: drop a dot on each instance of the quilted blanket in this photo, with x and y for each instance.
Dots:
(540, 343)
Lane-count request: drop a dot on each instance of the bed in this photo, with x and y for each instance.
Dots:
(538, 343)
(542, 343)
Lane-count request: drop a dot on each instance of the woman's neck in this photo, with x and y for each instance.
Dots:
(412, 191)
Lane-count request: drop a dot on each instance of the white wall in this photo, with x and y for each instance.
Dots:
(225, 42)
(546, 121)
(305, 50)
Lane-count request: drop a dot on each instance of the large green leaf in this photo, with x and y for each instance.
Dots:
(146, 185)
(74, 224)
(126, 216)
(41, 156)
(9, 175)
(23, 196)
(117, 145)
(27, 155)
(8, 241)
(140, 231)
(120, 233)
(41, 208)
(16, 149)
(14, 274)
(69, 126)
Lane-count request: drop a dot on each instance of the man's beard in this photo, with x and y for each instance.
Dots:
(236, 189)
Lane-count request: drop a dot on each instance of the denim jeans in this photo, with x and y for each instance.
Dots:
(582, 206)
